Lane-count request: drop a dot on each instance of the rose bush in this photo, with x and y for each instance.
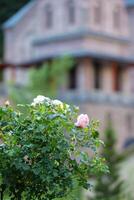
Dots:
(43, 151)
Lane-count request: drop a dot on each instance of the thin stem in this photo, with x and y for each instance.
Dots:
(1, 195)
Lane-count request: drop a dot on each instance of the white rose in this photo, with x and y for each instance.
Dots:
(7, 103)
(40, 100)
(57, 102)
(33, 104)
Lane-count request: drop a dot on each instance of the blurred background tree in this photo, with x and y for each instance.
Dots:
(47, 80)
(7, 9)
(109, 186)
(51, 77)
(127, 172)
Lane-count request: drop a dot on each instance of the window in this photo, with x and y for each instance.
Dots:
(72, 78)
(85, 11)
(98, 13)
(97, 75)
(117, 17)
(48, 16)
(71, 11)
(118, 78)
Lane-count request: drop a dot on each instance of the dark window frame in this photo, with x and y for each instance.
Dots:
(97, 75)
(71, 10)
(48, 16)
(98, 13)
(118, 79)
(117, 17)
(73, 78)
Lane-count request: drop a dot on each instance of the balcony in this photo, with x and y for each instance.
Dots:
(98, 97)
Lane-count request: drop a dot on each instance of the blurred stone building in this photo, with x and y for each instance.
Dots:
(99, 35)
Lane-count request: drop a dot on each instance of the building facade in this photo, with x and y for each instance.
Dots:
(99, 35)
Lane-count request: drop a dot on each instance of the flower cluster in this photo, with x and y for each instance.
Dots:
(82, 120)
(40, 100)
(45, 100)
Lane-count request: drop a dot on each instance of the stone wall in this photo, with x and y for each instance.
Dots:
(122, 119)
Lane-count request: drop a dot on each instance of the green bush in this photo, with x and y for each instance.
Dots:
(43, 151)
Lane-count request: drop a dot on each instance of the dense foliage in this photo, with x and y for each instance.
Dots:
(109, 186)
(7, 9)
(43, 151)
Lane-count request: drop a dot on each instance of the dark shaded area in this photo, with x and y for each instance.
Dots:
(72, 78)
(129, 142)
(7, 9)
(97, 75)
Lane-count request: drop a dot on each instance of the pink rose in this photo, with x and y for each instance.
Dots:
(82, 121)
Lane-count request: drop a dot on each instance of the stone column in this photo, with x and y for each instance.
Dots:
(107, 77)
(85, 75)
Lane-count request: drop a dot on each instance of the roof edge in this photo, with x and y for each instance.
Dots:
(12, 21)
(77, 34)
(78, 54)
(129, 3)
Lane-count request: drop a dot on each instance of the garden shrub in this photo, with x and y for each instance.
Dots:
(45, 149)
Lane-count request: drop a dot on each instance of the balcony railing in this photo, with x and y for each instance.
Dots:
(98, 97)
